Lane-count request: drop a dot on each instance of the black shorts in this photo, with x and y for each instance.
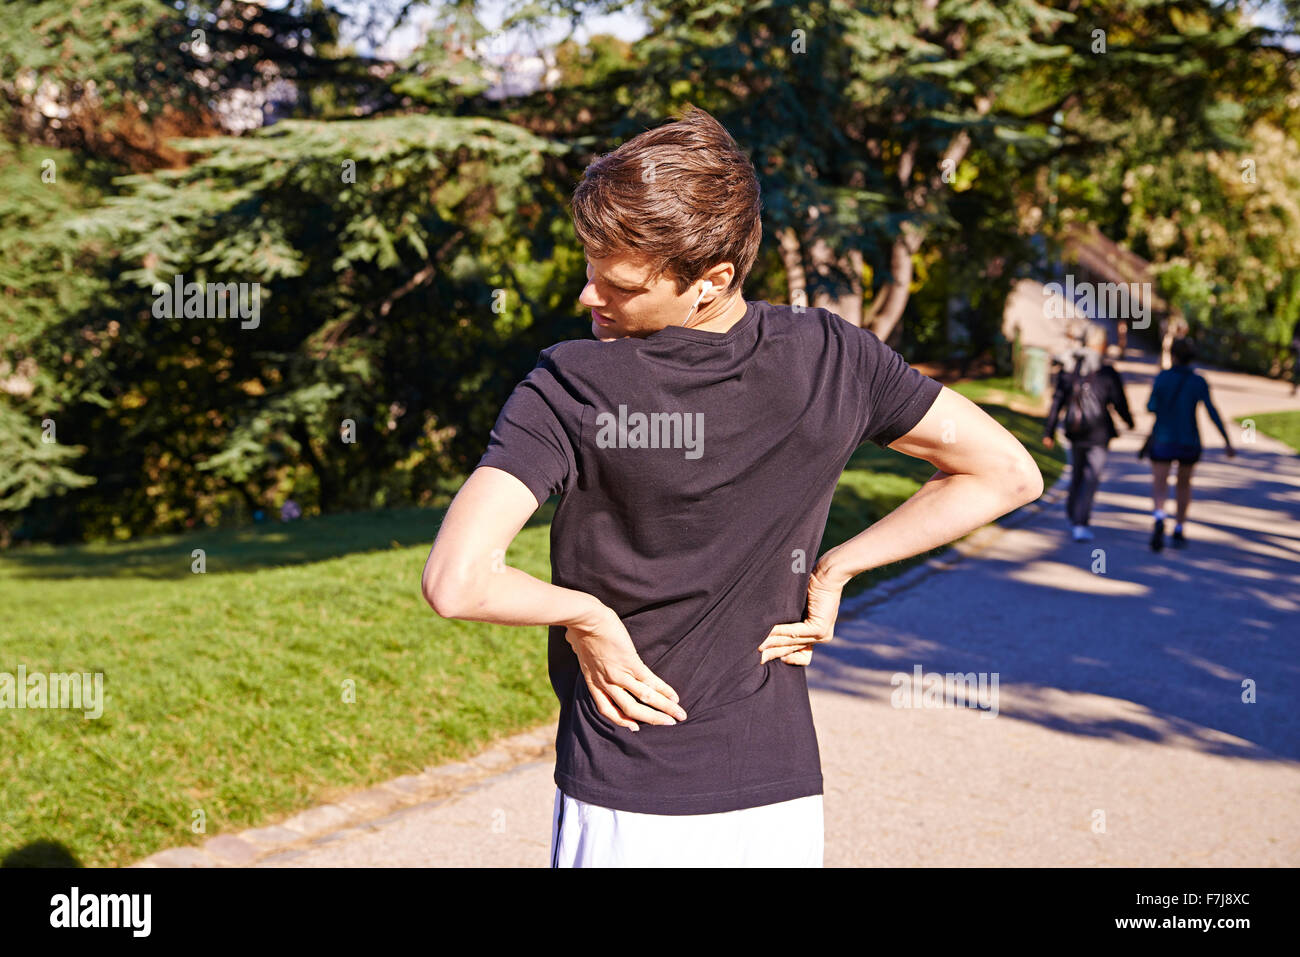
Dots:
(1175, 451)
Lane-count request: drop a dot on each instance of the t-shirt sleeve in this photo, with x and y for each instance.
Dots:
(895, 397)
(531, 438)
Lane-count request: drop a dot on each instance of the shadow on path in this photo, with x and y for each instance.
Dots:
(1170, 641)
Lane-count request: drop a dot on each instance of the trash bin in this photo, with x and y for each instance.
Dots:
(1034, 367)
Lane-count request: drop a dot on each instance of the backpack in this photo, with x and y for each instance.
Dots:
(1084, 409)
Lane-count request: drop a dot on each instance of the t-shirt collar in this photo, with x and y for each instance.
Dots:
(703, 335)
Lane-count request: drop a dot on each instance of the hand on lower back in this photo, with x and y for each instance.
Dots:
(793, 642)
(624, 689)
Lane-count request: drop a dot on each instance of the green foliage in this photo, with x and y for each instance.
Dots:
(1222, 228)
(37, 468)
(45, 274)
(396, 260)
(409, 239)
(115, 78)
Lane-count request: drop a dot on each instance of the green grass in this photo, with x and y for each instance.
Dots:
(225, 691)
(1283, 426)
(994, 389)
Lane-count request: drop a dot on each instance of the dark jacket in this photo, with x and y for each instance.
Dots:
(1110, 391)
(1174, 396)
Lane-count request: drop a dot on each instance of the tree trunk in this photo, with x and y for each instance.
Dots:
(890, 299)
(792, 260)
(848, 304)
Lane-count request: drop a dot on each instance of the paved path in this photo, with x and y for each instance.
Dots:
(1120, 736)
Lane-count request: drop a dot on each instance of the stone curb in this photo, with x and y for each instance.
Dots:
(360, 811)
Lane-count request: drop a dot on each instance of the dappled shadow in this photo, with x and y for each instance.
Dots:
(1155, 647)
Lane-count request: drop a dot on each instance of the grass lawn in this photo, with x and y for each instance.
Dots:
(226, 691)
(1283, 426)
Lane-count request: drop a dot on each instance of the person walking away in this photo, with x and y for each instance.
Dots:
(1176, 437)
(1082, 402)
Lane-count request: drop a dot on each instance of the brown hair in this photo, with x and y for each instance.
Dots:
(683, 195)
(1182, 351)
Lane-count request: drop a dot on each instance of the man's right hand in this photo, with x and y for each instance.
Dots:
(622, 686)
(793, 642)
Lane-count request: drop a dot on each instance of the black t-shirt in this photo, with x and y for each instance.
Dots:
(695, 471)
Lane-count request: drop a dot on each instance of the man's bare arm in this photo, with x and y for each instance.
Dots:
(984, 472)
(466, 577)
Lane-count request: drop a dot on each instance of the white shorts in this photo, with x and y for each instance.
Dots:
(785, 834)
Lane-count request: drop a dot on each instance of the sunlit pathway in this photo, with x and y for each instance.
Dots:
(1120, 737)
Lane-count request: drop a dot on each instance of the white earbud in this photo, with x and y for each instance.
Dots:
(707, 286)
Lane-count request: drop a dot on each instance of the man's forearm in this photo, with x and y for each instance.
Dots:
(942, 510)
(508, 596)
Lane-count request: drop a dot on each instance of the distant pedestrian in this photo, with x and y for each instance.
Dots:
(1176, 437)
(1086, 390)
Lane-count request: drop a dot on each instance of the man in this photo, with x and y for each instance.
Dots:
(695, 444)
(1086, 390)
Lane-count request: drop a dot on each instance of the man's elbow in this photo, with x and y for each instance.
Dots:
(450, 595)
(1025, 481)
